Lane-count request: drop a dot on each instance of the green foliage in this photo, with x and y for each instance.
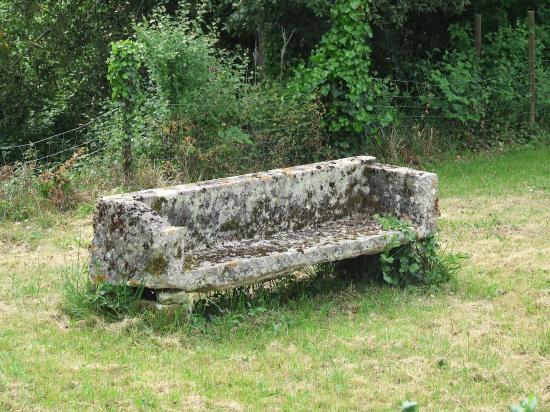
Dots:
(171, 79)
(406, 31)
(528, 404)
(187, 70)
(416, 261)
(339, 70)
(499, 13)
(492, 91)
(286, 127)
(196, 108)
(123, 71)
(28, 190)
(82, 298)
(53, 76)
(462, 99)
(265, 25)
(85, 301)
(52, 65)
(19, 197)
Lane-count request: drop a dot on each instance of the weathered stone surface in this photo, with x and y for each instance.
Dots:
(244, 229)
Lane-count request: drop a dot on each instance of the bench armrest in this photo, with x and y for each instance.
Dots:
(132, 240)
(406, 193)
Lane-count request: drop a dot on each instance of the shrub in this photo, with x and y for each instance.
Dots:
(272, 128)
(339, 70)
(56, 186)
(286, 127)
(52, 71)
(417, 261)
(486, 97)
(170, 76)
(194, 110)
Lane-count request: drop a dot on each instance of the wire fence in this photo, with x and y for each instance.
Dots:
(410, 101)
(54, 149)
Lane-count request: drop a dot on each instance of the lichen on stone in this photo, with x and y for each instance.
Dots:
(189, 262)
(230, 225)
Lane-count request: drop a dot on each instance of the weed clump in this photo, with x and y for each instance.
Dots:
(82, 298)
(28, 189)
(417, 262)
(528, 404)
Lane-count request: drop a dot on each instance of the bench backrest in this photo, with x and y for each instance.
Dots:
(259, 204)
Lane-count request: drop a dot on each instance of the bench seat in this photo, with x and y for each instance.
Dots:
(246, 261)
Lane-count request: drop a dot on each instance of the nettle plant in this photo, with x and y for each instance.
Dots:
(417, 262)
(339, 70)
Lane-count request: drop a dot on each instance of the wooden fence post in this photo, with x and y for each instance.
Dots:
(532, 79)
(477, 35)
(127, 145)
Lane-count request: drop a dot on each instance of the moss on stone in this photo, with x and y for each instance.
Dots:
(156, 266)
(231, 224)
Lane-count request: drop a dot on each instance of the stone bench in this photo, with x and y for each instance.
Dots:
(240, 230)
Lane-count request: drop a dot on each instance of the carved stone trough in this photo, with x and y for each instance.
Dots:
(229, 232)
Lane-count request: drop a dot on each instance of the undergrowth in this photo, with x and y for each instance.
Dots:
(419, 264)
(82, 298)
(416, 261)
(88, 302)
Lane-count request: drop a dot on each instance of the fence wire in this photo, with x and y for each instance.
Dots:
(412, 102)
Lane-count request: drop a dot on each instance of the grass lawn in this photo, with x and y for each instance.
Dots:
(476, 344)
